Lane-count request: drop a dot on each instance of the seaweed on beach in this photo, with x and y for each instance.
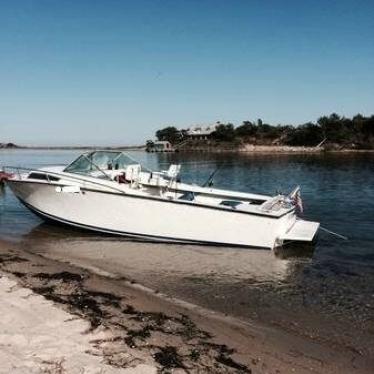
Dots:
(158, 318)
(141, 334)
(173, 340)
(85, 303)
(53, 367)
(228, 361)
(130, 310)
(18, 274)
(189, 330)
(81, 301)
(49, 293)
(8, 258)
(44, 290)
(169, 358)
(222, 355)
(194, 354)
(65, 276)
(88, 307)
(108, 299)
(185, 327)
(88, 302)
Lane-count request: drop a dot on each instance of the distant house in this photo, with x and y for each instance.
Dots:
(160, 146)
(201, 132)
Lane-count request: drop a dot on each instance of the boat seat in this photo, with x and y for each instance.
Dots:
(113, 174)
(133, 172)
(173, 171)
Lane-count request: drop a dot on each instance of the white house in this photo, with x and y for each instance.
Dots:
(201, 132)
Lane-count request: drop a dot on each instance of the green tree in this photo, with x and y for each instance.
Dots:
(224, 132)
(149, 145)
(246, 129)
(170, 133)
(308, 134)
(336, 129)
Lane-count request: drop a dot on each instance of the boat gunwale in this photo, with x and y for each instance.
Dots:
(154, 198)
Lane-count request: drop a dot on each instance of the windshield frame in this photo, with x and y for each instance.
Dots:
(88, 156)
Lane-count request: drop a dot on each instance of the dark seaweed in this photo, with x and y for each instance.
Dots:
(168, 357)
(65, 276)
(89, 307)
(141, 334)
(194, 354)
(188, 329)
(45, 291)
(100, 307)
(19, 274)
(130, 310)
(108, 298)
(228, 361)
(9, 258)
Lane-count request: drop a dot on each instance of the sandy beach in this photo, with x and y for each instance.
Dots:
(60, 318)
(38, 337)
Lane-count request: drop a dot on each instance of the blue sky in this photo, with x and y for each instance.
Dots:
(112, 72)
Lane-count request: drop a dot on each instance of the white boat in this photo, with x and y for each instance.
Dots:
(109, 192)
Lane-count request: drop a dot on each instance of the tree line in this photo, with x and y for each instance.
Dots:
(333, 130)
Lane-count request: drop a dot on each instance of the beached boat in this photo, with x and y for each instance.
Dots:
(108, 191)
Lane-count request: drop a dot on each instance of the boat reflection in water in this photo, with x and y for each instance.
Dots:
(163, 266)
(295, 250)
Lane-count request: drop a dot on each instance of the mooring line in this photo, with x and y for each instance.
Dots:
(334, 233)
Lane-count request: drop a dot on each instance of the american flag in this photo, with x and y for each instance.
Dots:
(298, 202)
(295, 198)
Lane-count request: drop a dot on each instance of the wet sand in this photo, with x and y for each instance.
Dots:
(149, 328)
(250, 285)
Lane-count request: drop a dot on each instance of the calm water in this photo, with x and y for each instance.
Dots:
(322, 288)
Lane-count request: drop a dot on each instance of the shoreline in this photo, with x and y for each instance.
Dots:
(270, 149)
(72, 148)
(145, 322)
(245, 149)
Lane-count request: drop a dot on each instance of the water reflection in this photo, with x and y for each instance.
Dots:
(295, 250)
(142, 260)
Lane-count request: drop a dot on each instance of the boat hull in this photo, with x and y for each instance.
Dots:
(150, 218)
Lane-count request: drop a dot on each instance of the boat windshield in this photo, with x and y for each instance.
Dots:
(98, 162)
